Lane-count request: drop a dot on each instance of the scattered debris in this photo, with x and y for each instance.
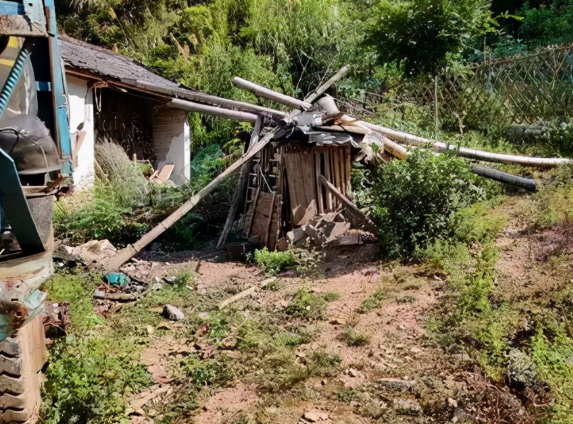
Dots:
(407, 407)
(396, 384)
(92, 252)
(245, 293)
(173, 313)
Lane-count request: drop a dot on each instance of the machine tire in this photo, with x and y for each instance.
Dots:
(21, 359)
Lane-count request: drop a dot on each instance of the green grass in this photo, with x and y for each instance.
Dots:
(310, 305)
(374, 301)
(353, 338)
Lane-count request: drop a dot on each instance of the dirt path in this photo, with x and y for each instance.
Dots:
(394, 374)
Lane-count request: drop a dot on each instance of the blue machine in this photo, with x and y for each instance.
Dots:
(35, 151)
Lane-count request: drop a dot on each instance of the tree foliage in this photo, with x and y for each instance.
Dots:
(425, 35)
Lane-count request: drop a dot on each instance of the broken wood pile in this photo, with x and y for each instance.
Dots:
(295, 172)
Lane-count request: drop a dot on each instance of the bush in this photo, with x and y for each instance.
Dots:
(275, 262)
(416, 200)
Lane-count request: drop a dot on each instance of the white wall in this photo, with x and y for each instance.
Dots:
(82, 111)
(172, 143)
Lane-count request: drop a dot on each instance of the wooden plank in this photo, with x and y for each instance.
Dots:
(358, 219)
(319, 191)
(253, 209)
(348, 161)
(270, 220)
(165, 172)
(131, 250)
(327, 175)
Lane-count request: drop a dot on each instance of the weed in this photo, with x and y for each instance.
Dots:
(353, 338)
(77, 289)
(323, 364)
(206, 372)
(182, 280)
(373, 301)
(276, 261)
(310, 305)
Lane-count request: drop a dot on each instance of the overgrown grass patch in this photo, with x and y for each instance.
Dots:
(373, 301)
(308, 305)
(353, 338)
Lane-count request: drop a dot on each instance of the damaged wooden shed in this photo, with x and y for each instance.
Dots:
(303, 174)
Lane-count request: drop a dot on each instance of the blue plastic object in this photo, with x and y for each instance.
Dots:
(117, 279)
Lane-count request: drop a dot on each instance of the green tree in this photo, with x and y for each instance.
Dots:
(423, 36)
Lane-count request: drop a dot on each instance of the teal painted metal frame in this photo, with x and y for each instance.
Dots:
(16, 207)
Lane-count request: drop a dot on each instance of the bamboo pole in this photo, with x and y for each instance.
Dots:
(484, 171)
(269, 94)
(131, 250)
(465, 152)
(311, 97)
(207, 99)
(212, 110)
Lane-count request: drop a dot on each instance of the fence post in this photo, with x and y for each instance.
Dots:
(437, 121)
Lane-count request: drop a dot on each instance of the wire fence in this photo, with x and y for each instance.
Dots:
(528, 89)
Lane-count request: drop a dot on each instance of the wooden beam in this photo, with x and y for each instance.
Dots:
(269, 94)
(241, 187)
(131, 250)
(207, 99)
(357, 216)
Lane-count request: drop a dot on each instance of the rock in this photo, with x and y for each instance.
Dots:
(352, 372)
(338, 321)
(415, 350)
(203, 316)
(173, 313)
(311, 417)
(452, 403)
(407, 407)
(170, 279)
(396, 384)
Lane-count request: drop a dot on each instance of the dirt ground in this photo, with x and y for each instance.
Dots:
(399, 375)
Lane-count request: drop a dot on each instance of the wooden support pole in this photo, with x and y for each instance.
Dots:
(131, 250)
(269, 94)
(241, 186)
(357, 217)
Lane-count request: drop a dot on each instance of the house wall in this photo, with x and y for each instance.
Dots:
(172, 142)
(82, 112)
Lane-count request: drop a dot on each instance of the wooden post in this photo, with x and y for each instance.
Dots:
(241, 186)
(359, 219)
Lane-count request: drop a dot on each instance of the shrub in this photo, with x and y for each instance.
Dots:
(310, 305)
(416, 200)
(275, 262)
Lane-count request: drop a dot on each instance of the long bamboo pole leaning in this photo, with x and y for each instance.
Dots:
(130, 251)
(269, 94)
